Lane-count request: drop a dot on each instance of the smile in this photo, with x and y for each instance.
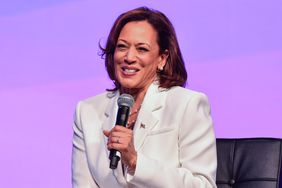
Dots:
(129, 71)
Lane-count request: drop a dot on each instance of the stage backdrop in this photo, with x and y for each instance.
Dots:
(49, 61)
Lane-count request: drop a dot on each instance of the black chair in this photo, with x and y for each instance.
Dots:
(249, 163)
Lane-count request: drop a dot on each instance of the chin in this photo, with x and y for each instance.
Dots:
(128, 83)
(128, 86)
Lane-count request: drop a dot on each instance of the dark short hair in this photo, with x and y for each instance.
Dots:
(174, 72)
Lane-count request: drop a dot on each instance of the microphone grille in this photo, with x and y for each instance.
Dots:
(125, 100)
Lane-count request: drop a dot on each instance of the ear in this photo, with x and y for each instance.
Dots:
(163, 60)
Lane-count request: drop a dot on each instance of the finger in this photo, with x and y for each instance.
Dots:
(117, 146)
(121, 134)
(114, 139)
(121, 128)
(119, 140)
(122, 147)
(114, 145)
(106, 133)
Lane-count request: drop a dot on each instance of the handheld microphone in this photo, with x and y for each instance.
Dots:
(125, 102)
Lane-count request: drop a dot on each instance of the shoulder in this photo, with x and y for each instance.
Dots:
(184, 95)
(95, 99)
(98, 99)
(97, 102)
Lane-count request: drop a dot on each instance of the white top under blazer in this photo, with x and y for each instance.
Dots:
(176, 146)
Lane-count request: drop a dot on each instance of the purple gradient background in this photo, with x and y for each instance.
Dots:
(49, 61)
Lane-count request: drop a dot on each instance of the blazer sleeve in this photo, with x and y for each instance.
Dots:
(81, 176)
(197, 153)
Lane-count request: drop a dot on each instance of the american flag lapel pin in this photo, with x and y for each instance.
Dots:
(142, 126)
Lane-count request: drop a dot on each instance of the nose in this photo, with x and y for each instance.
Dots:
(130, 56)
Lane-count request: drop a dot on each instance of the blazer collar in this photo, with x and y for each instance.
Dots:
(111, 110)
(148, 115)
(153, 101)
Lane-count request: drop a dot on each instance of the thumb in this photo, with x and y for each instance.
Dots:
(106, 133)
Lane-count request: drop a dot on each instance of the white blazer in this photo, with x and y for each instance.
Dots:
(175, 145)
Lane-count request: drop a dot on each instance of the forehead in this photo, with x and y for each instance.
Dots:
(139, 30)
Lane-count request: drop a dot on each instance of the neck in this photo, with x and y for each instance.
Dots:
(138, 95)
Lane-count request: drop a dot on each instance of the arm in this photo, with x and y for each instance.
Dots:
(81, 176)
(197, 153)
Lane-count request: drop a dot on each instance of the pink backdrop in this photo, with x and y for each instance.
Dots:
(49, 61)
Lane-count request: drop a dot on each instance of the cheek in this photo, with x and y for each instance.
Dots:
(150, 70)
(151, 66)
(117, 61)
(117, 57)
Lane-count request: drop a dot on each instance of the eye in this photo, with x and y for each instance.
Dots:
(121, 46)
(142, 49)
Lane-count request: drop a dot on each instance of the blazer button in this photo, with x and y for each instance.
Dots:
(231, 182)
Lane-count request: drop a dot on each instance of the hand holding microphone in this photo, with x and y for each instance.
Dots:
(120, 139)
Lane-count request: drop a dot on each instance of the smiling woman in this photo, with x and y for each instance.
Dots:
(169, 139)
(137, 56)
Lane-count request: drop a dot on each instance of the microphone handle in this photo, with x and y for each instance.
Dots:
(122, 118)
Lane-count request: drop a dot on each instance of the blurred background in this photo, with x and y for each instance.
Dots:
(49, 61)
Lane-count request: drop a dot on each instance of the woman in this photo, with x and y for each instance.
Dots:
(169, 139)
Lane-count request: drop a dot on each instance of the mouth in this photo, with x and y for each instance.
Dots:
(129, 70)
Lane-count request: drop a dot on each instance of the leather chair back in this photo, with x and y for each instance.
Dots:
(249, 163)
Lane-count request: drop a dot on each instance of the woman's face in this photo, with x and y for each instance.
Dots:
(136, 56)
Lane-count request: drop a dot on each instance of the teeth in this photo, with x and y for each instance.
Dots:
(130, 70)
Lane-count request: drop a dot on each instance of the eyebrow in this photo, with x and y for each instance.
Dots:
(138, 44)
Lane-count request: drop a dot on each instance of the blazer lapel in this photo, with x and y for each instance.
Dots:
(96, 148)
(110, 112)
(148, 115)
